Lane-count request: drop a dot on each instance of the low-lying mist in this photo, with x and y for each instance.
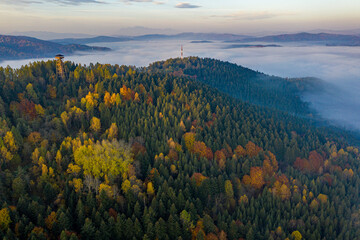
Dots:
(337, 101)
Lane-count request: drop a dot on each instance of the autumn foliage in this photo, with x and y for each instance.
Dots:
(104, 158)
(26, 108)
(256, 178)
(281, 187)
(199, 178)
(198, 148)
(240, 151)
(314, 164)
(127, 93)
(202, 151)
(5, 219)
(137, 148)
(189, 139)
(251, 149)
(220, 158)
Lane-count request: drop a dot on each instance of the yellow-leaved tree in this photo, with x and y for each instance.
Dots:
(296, 235)
(189, 139)
(5, 219)
(104, 158)
(112, 132)
(50, 220)
(9, 141)
(229, 192)
(95, 124)
(150, 189)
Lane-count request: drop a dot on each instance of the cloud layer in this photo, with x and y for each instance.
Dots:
(186, 5)
(137, 0)
(62, 2)
(244, 15)
(75, 2)
(144, 1)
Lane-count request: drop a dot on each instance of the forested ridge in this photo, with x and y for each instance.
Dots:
(22, 47)
(116, 152)
(243, 83)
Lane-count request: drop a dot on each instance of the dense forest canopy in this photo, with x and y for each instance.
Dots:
(243, 83)
(116, 152)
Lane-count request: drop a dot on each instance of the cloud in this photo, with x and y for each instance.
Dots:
(243, 15)
(61, 2)
(137, 0)
(186, 5)
(21, 2)
(144, 1)
(75, 2)
(158, 3)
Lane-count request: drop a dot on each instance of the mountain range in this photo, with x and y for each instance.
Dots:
(327, 39)
(148, 37)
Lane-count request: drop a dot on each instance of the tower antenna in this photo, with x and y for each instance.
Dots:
(60, 71)
(182, 52)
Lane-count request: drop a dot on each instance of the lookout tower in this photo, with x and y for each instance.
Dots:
(182, 52)
(60, 71)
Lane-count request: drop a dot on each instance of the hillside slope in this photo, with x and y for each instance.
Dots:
(242, 83)
(17, 47)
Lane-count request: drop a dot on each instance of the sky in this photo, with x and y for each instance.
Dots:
(222, 16)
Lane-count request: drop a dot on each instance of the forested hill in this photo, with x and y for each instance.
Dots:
(243, 83)
(18, 47)
(115, 152)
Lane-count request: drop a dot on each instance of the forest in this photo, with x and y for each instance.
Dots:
(22, 47)
(168, 152)
(243, 83)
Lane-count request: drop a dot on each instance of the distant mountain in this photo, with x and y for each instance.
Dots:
(344, 44)
(139, 30)
(326, 38)
(210, 36)
(16, 47)
(91, 40)
(45, 35)
(345, 32)
(201, 41)
(149, 37)
(251, 46)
